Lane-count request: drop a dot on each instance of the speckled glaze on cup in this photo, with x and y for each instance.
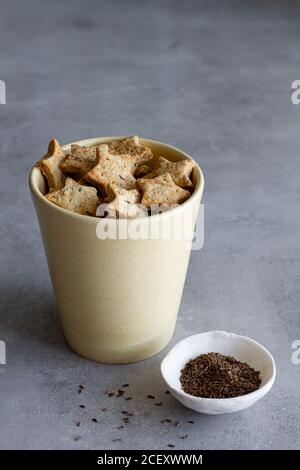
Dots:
(118, 299)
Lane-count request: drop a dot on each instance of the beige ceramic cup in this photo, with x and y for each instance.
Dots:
(118, 298)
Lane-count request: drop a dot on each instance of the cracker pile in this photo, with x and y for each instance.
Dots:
(119, 176)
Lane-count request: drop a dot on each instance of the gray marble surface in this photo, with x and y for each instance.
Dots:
(214, 79)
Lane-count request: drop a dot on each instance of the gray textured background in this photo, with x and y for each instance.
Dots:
(214, 79)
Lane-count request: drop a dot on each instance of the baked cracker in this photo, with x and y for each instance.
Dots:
(115, 169)
(123, 203)
(50, 166)
(180, 171)
(142, 171)
(131, 146)
(162, 191)
(76, 198)
(70, 182)
(80, 160)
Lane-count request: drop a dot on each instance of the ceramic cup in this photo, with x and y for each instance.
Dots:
(118, 298)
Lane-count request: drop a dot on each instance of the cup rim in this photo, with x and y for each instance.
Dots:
(95, 140)
(259, 393)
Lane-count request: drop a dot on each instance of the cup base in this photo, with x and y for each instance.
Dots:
(134, 354)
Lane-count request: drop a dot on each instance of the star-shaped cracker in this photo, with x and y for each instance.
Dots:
(131, 146)
(80, 160)
(76, 198)
(50, 166)
(180, 171)
(115, 169)
(162, 191)
(124, 203)
(70, 182)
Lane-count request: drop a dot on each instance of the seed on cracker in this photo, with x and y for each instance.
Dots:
(162, 191)
(76, 198)
(80, 160)
(115, 169)
(124, 204)
(180, 171)
(50, 166)
(131, 146)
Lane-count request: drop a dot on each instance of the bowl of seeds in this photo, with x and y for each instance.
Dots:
(218, 372)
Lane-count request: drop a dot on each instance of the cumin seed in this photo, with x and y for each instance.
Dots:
(214, 375)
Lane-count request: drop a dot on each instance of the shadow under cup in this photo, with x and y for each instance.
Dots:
(118, 298)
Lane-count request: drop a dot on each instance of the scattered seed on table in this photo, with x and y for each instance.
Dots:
(80, 391)
(120, 427)
(158, 404)
(111, 394)
(77, 438)
(127, 413)
(120, 393)
(184, 437)
(177, 423)
(116, 440)
(163, 421)
(151, 396)
(78, 423)
(128, 398)
(171, 445)
(126, 420)
(81, 386)
(94, 420)
(191, 421)
(167, 392)
(125, 385)
(81, 406)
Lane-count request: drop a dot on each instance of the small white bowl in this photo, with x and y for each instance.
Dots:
(240, 347)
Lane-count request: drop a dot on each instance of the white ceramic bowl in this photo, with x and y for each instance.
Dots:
(240, 347)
